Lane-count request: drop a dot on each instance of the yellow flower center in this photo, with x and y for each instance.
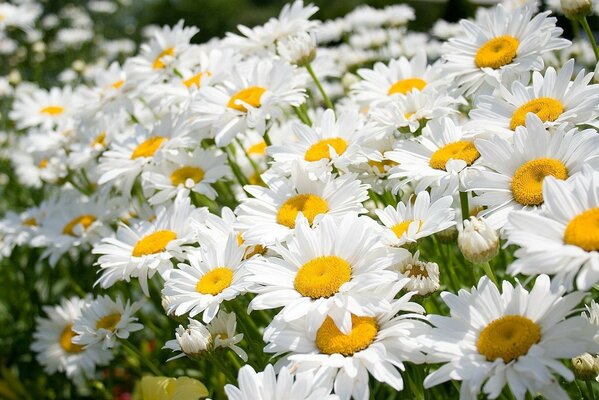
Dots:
(322, 276)
(330, 340)
(196, 80)
(258, 148)
(153, 243)
(321, 149)
(310, 205)
(460, 150)
(527, 182)
(251, 251)
(497, 52)
(181, 175)
(30, 222)
(402, 227)
(52, 110)
(405, 86)
(148, 147)
(118, 84)
(84, 220)
(215, 281)
(508, 337)
(250, 95)
(546, 108)
(109, 322)
(99, 140)
(159, 62)
(583, 230)
(382, 166)
(66, 338)
(43, 163)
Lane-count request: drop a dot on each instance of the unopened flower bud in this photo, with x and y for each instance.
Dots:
(576, 9)
(193, 340)
(299, 49)
(585, 367)
(14, 77)
(78, 65)
(348, 80)
(478, 242)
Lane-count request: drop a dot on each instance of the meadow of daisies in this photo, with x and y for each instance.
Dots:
(302, 210)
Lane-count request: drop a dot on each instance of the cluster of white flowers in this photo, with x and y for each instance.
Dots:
(330, 178)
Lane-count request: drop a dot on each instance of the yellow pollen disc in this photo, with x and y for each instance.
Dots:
(153, 243)
(403, 226)
(508, 337)
(250, 95)
(52, 110)
(196, 80)
(460, 150)
(65, 340)
(320, 149)
(215, 281)
(583, 230)
(30, 222)
(158, 62)
(181, 175)
(322, 276)
(417, 271)
(43, 163)
(118, 84)
(148, 147)
(310, 205)
(405, 86)
(258, 148)
(527, 182)
(109, 322)
(382, 166)
(546, 108)
(84, 220)
(330, 340)
(99, 140)
(497, 52)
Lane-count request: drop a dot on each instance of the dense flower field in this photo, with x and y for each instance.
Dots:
(301, 210)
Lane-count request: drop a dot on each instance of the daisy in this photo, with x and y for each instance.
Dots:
(55, 349)
(377, 345)
(330, 141)
(423, 276)
(385, 83)
(192, 341)
(223, 330)
(442, 152)
(552, 97)
(103, 320)
(184, 171)
(23, 229)
(501, 45)
(333, 270)
(48, 109)
(111, 94)
(561, 239)
(417, 219)
(215, 273)
(141, 250)
(270, 215)
(268, 385)
(511, 175)
(256, 92)
(516, 338)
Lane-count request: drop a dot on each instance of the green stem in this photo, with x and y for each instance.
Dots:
(267, 139)
(252, 162)
(464, 205)
(140, 356)
(590, 390)
(222, 367)
(489, 271)
(326, 99)
(587, 29)
(236, 170)
(303, 117)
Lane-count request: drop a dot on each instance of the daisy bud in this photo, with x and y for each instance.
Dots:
(423, 276)
(78, 65)
(477, 241)
(596, 74)
(349, 79)
(14, 77)
(575, 9)
(585, 367)
(299, 50)
(193, 340)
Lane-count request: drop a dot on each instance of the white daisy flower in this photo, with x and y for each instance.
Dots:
(270, 215)
(333, 270)
(216, 272)
(552, 97)
(223, 330)
(384, 83)
(423, 276)
(561, 239)
(442, 152)
(513, 173)
(145, 248)
(257, 92)
(111, 94)
(23, 229)
(55, 349)
(516, 338)
(103, 320)
(268, 385)
(501, 45)
(184, 171)
(377, 345)
(417, 219)
(48, 109)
